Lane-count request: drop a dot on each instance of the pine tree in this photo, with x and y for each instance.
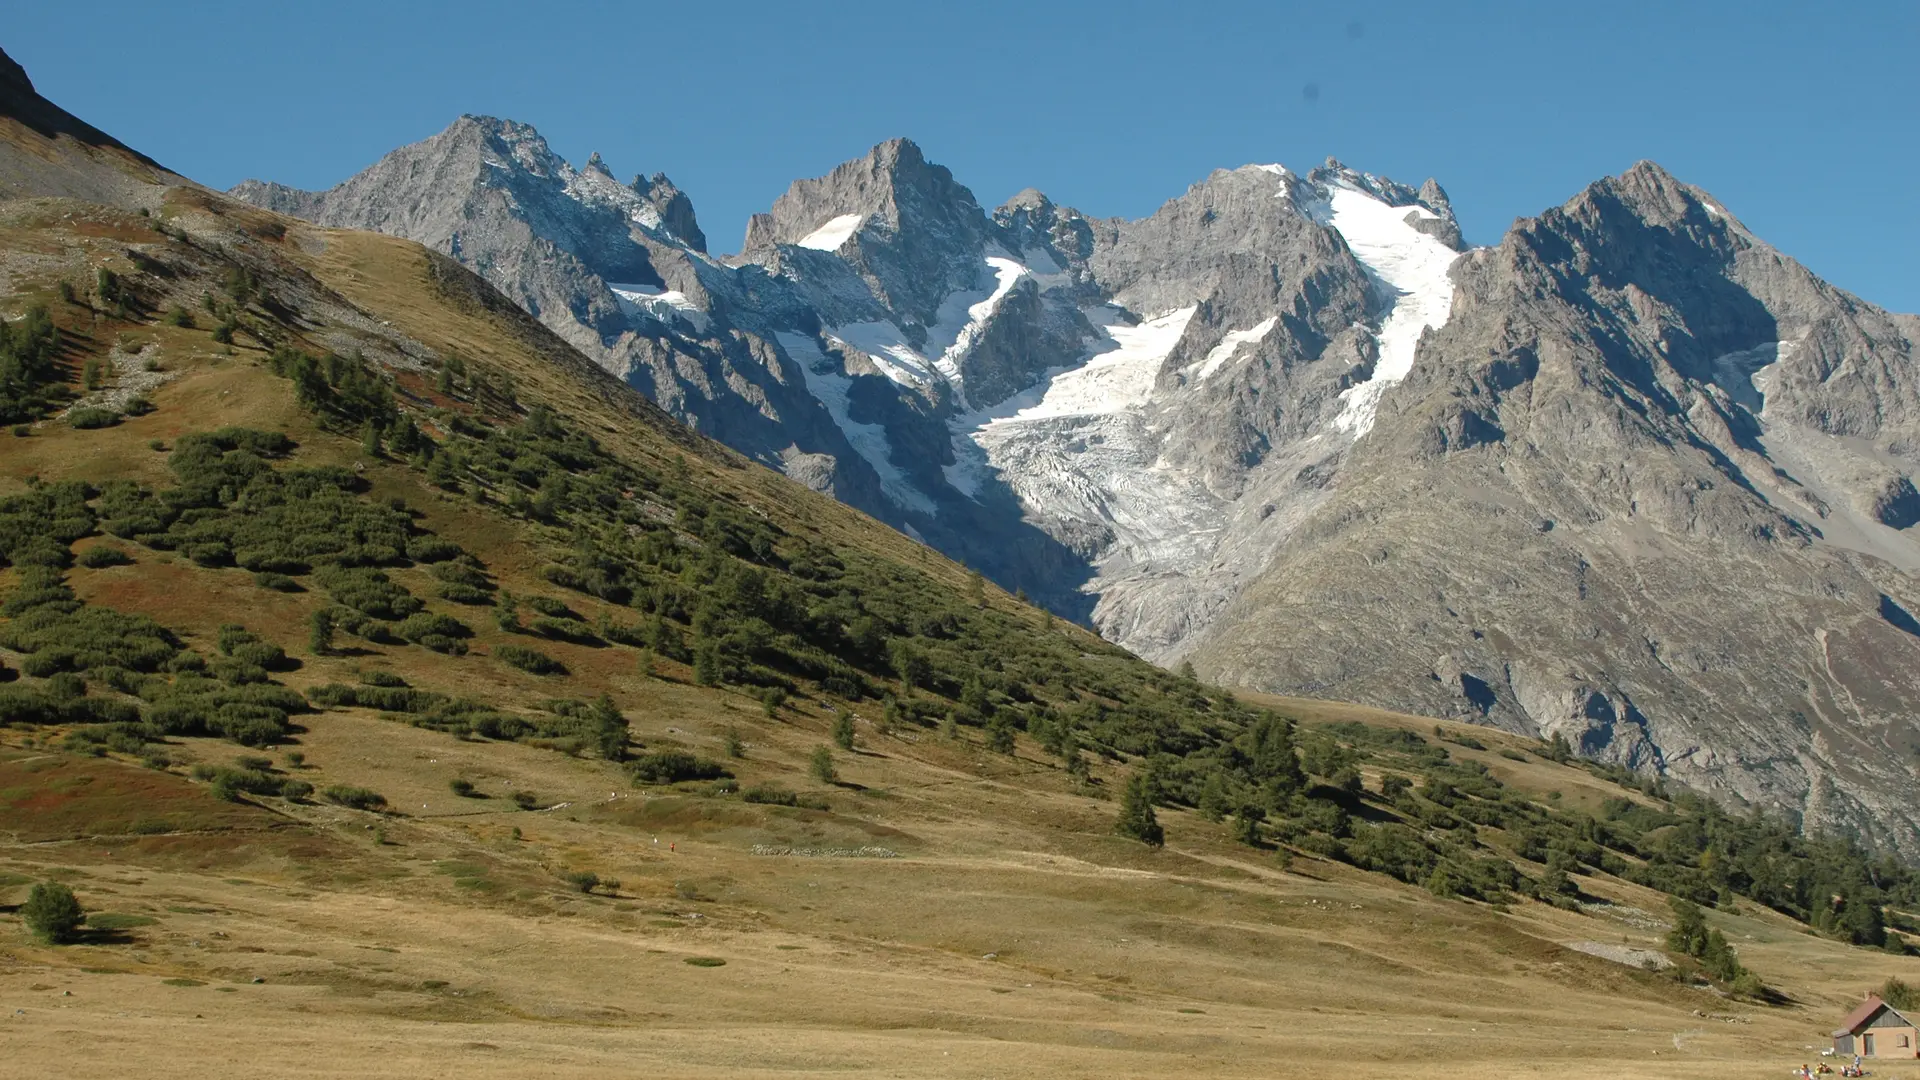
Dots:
(707, 669)
(843, 729)
(821, 766)
(1000, 737)
(1213, 798)
(976, 589)
(52, 913)
(1689, 934)
(610, 729)
(1137, 818)
(320, 639)
(1247, 825)
(370, 439)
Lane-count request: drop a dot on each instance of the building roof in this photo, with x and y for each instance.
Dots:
(1860, 1017)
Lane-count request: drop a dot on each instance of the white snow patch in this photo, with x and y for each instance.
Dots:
(1277, 170)
(1116, 380)
(957, 326)
(662, 305)
(1406, 264)
(830, 386)
(1099, 397)
(830, 236)
(1229, 345)
(891, 352)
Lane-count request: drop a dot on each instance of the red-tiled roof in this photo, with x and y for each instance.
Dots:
(1858, 1018)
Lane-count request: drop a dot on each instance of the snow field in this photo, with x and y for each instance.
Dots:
(830, 236)
(1406, 264)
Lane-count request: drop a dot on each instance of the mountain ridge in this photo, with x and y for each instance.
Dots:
(1149, 424)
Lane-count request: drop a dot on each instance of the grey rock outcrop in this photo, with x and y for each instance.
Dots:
(1630, 476)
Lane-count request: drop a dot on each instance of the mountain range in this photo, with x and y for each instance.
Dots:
(1629, 476)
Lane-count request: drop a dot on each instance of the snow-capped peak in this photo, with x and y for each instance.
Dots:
(1408, 266)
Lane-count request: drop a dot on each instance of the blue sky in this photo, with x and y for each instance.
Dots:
(1797, 116)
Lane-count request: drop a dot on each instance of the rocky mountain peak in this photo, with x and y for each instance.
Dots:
(13, 77)
(674, 207)
(900, 222)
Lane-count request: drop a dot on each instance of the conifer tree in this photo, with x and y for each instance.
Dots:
(610, 729)
(1137, 818)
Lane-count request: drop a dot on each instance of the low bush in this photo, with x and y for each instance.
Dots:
(529, 660)
(90, 417)
(357, 798)
(771, 795)
(103, 555)
(674, 766)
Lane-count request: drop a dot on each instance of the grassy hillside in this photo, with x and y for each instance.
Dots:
(351, 621)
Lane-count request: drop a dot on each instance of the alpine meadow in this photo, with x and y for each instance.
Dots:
(454, 623)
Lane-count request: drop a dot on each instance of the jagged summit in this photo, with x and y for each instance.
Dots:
(1290, 427)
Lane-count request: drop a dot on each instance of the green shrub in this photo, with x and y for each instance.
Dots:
(90, 417)
(674, 766)
(357, 798)
(464, 594)
(53, 913)
(547, 605)
(529, 660)
(770, 794)
(464, 789)
(581, 880)
(268, 579)
(563, 630)
(423, 625)
(103, 555)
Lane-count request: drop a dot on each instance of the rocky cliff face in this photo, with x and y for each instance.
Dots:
(1646, 489)
(1630, 475)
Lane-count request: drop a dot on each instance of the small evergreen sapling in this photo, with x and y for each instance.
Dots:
(1137, 818)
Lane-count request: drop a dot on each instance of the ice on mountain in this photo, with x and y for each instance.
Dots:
(831, 387)
(1409, 267)
(957, 325)
(1119, 378)
(889, 350)
(830, 236)
(1230, 344)
(661, 305)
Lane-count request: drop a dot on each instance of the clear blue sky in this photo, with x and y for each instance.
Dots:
(1800, 117)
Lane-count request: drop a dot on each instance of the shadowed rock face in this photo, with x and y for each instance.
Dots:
(1630, 475)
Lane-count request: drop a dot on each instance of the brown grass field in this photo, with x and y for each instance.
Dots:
(1011, 935)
